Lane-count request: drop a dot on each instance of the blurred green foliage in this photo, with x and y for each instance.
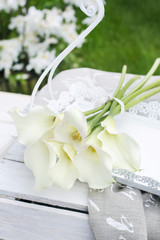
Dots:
(129, 34)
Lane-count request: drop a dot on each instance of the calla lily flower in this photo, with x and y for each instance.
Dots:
(93, 140)
(94, 167)
(32, 126)
(72, 129)
(109, 125)
(124, 150)
(40, 157)
(64, 173)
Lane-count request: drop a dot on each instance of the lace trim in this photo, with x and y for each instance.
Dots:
(137, 179)
(78, 95)
(147, 109)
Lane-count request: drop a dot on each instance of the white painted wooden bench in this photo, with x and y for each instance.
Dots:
(24, 213)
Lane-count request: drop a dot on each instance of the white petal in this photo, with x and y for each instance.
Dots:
(63, 150)
(64, 173)
(93, 140)
(58, 119)
(70, 151)
(39, 159)
(52, 154)
(124, 151)
(94, 167)
(73, 121)
(109, 125)
(58, 148)
(32, 126)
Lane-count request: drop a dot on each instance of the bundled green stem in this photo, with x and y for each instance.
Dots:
(137, 94)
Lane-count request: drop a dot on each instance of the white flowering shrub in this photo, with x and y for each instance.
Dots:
(9, 5)
(35, 37)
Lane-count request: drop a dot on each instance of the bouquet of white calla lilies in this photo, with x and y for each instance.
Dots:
(82, 145)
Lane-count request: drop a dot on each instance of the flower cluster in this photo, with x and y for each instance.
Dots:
(9, 5)
(9, 51)
(59, 151)
(39, 34)
(86, 146)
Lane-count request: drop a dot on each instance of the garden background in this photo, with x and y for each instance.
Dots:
(129, 34)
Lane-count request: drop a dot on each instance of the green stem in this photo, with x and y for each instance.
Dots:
(124, 70)
(94, 110)
(91, 117)
(97, 127)
(118, 90)
(140, 91)
(146, 95)
(127, 85)
(96, 119)
(133, 102)
(123, 90)
(103, 118)
(147, 77)
(128, 100)
(107, 106)
(143, 81)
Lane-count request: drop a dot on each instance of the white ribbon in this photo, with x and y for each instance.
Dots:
(110, 98)
(120, 103)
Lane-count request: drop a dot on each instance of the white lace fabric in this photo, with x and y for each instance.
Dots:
(82, 88)
(147, 109)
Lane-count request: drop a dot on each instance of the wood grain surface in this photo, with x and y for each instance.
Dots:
(17, 181)
(23, 221)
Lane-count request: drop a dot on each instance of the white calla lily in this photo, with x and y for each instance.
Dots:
(58, 119)
(72, 129)
(40, 158)
(124, 150)
(32, 126)
(94, 167)
(64, 173)
(109, 125)
(93, 140)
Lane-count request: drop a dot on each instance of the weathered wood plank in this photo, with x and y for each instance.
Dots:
(24, 221)
(17, 181)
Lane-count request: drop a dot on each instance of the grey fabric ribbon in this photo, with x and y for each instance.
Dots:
(124, 213)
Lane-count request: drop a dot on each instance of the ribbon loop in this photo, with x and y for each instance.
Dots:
(120, 103)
